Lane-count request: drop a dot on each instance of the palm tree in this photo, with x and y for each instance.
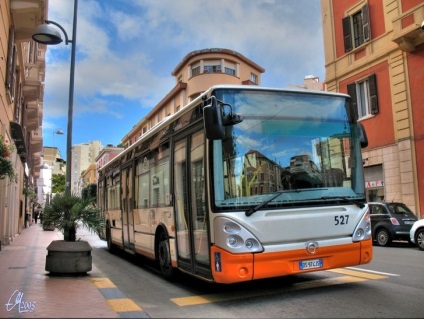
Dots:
(66, 210)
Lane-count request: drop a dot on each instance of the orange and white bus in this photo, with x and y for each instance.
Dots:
(243, 183)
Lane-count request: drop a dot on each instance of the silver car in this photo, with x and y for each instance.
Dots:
(416, 234)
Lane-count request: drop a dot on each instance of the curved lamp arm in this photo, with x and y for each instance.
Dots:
(67, 41)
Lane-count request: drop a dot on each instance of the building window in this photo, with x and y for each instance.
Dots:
(364, 96)
(212, 69)
(212, 66)
(356, 29)
(254, 78)
(11, 66)
(195, 70)
(230, 71)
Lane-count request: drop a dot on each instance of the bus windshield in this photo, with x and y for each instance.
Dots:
(293, 147)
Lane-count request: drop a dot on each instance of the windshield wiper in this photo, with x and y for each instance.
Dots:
(357, 203)
(256, 208)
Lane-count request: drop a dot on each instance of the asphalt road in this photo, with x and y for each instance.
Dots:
(392, 285)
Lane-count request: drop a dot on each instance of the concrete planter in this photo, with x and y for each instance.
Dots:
(49, 227)
(73, 258)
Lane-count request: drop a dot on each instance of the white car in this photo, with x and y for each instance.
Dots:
(416, 233)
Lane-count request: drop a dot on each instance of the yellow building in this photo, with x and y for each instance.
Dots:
(198, 71)
(22, 68)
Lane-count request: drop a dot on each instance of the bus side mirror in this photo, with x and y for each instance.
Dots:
(363, 139)
(212, 119)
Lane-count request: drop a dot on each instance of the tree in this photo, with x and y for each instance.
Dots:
(90, 191)
(58, 183)
(66, 210)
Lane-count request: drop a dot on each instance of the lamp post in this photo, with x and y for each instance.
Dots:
(46, 34)
(58, 132)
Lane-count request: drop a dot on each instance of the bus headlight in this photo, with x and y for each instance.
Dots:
(234, 238)
(232, 241)
(363, 229)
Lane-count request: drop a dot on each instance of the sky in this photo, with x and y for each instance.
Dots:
(127, 49)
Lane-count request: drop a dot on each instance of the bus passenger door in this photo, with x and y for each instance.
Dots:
(127, 208)
(190, 207)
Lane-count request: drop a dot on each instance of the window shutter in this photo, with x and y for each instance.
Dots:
(373, 94)
(351, 90)
(10, 56)
(347, 34)
(366, 23)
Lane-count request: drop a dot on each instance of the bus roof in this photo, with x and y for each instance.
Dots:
(285, 89)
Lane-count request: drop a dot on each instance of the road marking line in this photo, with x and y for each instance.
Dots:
(355, 273)
(205, 299)
(375, 272)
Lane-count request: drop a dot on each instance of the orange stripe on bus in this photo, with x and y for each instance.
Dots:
(243, 267)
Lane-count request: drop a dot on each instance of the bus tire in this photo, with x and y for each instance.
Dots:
(164, 256)
(110, 246)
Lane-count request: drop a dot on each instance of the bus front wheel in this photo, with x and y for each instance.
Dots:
(164, 256)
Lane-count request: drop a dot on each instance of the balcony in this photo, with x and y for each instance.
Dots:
(33, 91)
(36, 157)
(34, 118)
(36, 141)
(33, 110)
(407, 32)
(26, 16)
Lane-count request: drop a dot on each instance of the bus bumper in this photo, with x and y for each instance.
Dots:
(232, 268)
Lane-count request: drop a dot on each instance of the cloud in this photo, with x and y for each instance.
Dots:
(127, 49)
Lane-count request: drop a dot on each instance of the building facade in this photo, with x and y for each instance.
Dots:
(89, 176)
(53, 164)
(22, 69)
(374, 51)
(83, 155)
(198, 71)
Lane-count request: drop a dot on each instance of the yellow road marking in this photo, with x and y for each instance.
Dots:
(345, 271)
(102, 282)
(123, 305)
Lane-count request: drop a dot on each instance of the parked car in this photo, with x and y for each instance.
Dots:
(390, 221)
(416, 234)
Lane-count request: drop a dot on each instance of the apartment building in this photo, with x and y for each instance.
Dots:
(196, 72)
(83, 155)
(89, 176)
(22, 67)
(374, 51)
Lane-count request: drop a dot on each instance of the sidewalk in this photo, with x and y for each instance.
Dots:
(28, 291)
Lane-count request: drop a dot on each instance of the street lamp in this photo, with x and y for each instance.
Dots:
(47, 34)
(58, 132)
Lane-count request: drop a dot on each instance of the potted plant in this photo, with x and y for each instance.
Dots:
(68, 212)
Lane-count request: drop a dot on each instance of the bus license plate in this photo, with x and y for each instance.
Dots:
(310, 264)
